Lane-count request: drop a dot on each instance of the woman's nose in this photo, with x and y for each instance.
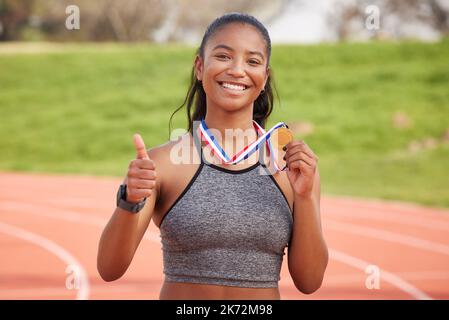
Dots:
(236, 68)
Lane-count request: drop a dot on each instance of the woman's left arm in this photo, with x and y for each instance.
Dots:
(307, 252)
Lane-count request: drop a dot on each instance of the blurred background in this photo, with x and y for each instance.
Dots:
(364, 83)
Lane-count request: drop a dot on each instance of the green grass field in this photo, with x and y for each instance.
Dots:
(75, 111)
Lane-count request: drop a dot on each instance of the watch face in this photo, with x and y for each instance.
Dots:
(120, 193)
(122, 203)
(140, 206)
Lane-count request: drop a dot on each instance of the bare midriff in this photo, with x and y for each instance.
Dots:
(194, 291)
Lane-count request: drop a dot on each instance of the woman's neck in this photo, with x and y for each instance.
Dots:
(229, 123)
(235, 130)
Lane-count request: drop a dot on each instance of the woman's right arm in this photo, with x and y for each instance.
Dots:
(125, 230)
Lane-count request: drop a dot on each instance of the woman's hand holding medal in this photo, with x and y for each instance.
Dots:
(301, 162)
(299, 159)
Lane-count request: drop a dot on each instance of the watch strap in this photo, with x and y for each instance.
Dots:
(126, 205)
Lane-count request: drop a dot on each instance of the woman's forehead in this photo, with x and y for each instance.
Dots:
(238, 36)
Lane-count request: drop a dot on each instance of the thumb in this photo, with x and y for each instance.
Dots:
(140, 147)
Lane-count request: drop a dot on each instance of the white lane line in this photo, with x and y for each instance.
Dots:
(380, 215)
(409, 275)
(429, 217)
(393, 206)
(61, 253)
(385, 275)
(389, 236)
(426, 275)
(151, 236)
(393, 212)
(62, 214)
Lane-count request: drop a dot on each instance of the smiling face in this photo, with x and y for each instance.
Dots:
(234, 69)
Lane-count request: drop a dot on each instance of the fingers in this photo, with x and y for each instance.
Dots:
(142, 164)
(300, 155)
(296, 146)
(140, 147)
(140, 182)
(141, 177)
(137, 195)
(299, 164)
(145, 174)
(136, 183)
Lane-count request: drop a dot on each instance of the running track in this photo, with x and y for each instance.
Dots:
(50, 225)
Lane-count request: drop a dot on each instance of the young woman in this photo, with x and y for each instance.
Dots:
(223, 227)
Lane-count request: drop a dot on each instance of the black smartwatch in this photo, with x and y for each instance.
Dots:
(125, 205)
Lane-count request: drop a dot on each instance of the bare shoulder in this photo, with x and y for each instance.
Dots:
(165, 154)
(169, 155)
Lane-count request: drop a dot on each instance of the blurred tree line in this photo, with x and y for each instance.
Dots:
(174, 20)
(399, 19)
(111, 20)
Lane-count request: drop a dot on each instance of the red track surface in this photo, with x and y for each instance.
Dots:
(48, 223)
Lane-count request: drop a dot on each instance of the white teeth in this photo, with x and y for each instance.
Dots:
(232, 86)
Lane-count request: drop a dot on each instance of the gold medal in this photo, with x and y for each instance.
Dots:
(284, 136)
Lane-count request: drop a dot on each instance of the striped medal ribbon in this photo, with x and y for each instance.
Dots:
(246, 151)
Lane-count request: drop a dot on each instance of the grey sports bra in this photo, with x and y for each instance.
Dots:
(227, 227)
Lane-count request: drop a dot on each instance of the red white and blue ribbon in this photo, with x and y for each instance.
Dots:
(246, 151)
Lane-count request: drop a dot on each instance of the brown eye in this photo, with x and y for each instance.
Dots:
(221, 56)
(254, 62)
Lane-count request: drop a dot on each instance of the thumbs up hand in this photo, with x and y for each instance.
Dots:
(141, 177)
